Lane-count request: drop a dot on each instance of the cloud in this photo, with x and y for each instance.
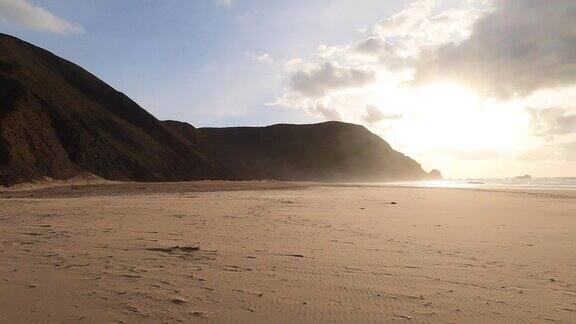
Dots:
(260, 57)
(520, 47)
(374, 115)
(371, 46)
(316, 80)
(345, 77)
(23, 13)
(406, 20)
(424, 25)
(225, 3)
(312, 86)
(551, 122)
(326, 112)
(565, 151)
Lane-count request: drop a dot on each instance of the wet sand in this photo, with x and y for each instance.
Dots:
(285, 252)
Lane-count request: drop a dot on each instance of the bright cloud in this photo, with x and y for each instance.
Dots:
(23, 13)
(379, 58)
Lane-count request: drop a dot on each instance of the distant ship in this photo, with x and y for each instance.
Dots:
(526, 176)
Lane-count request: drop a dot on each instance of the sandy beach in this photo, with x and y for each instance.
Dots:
(286, 252)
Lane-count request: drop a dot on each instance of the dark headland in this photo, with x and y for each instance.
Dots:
(59, 121)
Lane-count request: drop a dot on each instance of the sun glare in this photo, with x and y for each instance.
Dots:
(450, 117)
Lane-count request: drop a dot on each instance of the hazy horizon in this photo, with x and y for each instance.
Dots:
(475, 89)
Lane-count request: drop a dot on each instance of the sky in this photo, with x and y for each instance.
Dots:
(473, 88)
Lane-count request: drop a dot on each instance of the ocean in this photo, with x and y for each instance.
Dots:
(527, 183)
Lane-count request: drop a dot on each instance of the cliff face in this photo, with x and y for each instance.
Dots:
(59, 121)
(330, 151)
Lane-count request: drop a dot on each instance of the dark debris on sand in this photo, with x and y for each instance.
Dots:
(173, 249)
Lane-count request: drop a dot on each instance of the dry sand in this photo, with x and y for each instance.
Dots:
(218, 252)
